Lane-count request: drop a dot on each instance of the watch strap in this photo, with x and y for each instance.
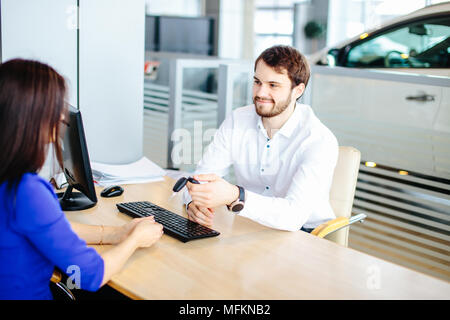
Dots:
(241, 194)
(187, 205)
(238, 204)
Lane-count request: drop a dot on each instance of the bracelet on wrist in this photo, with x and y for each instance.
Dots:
(101, 234)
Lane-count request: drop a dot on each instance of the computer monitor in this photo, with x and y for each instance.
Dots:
(193, 35)
(76, 167)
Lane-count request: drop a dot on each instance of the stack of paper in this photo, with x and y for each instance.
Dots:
(141, 171)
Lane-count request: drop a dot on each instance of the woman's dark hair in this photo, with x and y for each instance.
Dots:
(32, 101)
(290, 59)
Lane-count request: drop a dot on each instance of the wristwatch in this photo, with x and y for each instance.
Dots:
(238, 204)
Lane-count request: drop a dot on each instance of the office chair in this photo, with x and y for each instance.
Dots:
(341, 197)
(57, 280)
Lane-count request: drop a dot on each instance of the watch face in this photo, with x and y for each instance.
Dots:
(237, 207)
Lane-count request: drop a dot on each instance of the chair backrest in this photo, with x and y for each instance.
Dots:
(343, 189)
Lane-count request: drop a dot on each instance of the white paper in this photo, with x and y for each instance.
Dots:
(139, 169)
(107, 183)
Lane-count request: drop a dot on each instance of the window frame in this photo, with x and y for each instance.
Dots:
(275, 34)
(342, 56)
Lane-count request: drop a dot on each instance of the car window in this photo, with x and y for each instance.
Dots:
(424, 44)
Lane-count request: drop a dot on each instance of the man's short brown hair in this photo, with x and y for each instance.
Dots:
(286, 57)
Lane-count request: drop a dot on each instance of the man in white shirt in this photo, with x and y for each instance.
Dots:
(283, 156)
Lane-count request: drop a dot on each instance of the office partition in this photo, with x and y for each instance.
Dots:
(98, 46)
(186, 101)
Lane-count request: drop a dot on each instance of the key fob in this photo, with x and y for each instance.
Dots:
(182, 182)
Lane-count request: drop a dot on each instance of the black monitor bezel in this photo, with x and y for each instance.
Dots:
(85, 184)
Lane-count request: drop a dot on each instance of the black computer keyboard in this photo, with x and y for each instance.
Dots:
(174, 225)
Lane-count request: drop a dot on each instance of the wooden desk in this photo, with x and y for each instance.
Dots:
(250, 261)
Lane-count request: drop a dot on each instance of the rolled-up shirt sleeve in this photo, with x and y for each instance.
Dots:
(39, 217)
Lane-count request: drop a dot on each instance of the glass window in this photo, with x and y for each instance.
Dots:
(264, 42)
(275, 3)
(186, 8)
(418, 45)
(348, 18)
(274, 21)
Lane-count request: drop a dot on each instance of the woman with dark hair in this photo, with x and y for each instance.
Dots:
(35, 235)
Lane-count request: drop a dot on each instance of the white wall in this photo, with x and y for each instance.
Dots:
(109, 68)
(30, 28)
(112, 78)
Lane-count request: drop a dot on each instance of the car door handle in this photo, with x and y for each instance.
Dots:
(422, 98)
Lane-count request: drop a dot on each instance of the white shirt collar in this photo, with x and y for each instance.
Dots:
(288, 128)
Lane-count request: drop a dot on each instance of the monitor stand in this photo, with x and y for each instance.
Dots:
(74, 201)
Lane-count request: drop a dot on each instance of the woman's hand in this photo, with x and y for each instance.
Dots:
(118, 234)
(143, 232)
(146, 232)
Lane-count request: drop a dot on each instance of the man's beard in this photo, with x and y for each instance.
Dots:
(277, 109)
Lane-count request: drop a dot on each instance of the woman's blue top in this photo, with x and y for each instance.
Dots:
(35, 236)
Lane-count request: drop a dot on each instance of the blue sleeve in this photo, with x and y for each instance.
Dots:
(39, 217)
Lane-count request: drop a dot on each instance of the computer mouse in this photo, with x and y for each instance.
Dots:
(111, 191)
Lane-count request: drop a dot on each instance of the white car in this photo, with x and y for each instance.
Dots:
(387, 89)
(400, 121)
(418, 42)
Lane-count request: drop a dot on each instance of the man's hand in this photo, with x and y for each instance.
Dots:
(217, 192)
(200, 215)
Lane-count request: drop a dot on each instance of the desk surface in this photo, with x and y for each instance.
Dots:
(250, 261)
